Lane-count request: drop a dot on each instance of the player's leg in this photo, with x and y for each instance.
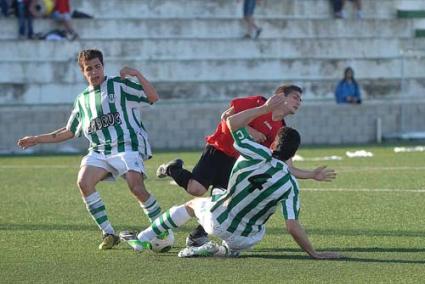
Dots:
(216, 168)
(173, 218)
(182, 177)
(196, 183)
(131, 166)
(88, 177)
(146, 200)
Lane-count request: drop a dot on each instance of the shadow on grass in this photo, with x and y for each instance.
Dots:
(345, 259)
(354, 232)
(325, 232)
(353, 249)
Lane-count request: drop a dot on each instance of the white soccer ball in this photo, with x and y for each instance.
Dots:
(163, 245)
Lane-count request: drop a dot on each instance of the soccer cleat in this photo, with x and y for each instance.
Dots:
(196, 241)
(128, 235)
(206, 250)
(162, 170)
(109, 241)
(138, 245)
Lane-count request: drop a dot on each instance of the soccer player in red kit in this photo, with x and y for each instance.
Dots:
(219, 156)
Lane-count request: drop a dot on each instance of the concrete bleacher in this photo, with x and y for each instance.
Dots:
(193, 51)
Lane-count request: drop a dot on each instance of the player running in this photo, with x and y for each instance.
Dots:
(107, 113)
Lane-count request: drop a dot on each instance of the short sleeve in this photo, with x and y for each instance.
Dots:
(133, 91)
(75, 122)
(241, 104)
(291, 204)
(248, 148)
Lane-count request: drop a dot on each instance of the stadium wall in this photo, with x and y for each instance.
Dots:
(182, 125)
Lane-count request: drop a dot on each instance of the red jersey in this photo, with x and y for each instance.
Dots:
(222, 139)
(62, 6)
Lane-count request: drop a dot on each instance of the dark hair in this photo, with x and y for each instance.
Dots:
(287, 89)
(286, 143)
(352, 72)
(89, 54)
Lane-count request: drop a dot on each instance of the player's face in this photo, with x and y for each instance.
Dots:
(93, 72)
(290, 105)
(293, 102)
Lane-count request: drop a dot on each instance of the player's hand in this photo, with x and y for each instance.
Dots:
(257, 135)
(127, 71)
(324, 174)
(327, 255)
(274, 102)
(27, 141)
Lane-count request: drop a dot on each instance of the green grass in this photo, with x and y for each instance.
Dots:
(46, 234)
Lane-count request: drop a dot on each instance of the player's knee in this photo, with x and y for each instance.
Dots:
(82, 184)
(189, 208)
(196, 189)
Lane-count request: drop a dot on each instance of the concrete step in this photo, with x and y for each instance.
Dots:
(51, 93)
(218, 69)
(226, 8)
(224, 28)
(184, 49)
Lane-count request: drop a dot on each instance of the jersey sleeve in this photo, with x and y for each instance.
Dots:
(248, 148)
(291, 204)
(134, 92)
(242, 104)
(74, 121)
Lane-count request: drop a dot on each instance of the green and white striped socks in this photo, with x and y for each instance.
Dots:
(151, 208)
(97, 210)
(170, 219)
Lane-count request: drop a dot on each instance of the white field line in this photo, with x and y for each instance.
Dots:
(39, 166)
(362, 169)
(362, 190)
(338, 169)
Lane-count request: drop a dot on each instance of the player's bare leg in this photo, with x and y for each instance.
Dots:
(88, 177)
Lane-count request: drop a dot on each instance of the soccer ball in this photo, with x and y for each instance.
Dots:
(163, 245)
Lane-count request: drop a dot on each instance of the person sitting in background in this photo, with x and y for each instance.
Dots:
(62, 14)
(347, 91)
(338, 7)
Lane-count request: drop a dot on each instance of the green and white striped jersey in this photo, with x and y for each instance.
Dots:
(109, 117)
(258, 182)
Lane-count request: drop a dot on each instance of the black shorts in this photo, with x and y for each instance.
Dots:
(213, 168)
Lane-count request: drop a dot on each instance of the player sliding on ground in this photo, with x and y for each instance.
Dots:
(107, 114)
(259, 181)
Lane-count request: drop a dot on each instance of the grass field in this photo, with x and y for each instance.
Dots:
(373, 213)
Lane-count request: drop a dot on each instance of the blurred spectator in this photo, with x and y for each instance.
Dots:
(338, 7)
(348, 91)
(22, 10)
(252, 30)
(4, 6)
(62, 14)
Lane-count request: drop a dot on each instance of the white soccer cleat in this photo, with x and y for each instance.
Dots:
(206, 250)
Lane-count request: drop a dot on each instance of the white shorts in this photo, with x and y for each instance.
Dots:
(117, 165)
(208, 220)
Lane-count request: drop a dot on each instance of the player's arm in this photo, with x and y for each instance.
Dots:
(59, 135)
(241, 119)
(228, 112)
(149, 90)
(300, 237)
(319, 174)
